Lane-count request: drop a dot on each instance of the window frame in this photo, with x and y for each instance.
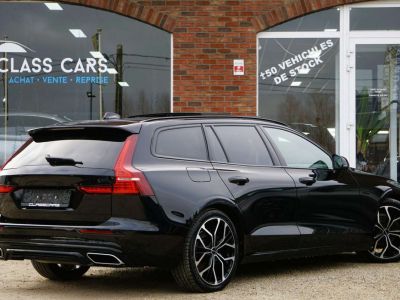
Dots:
(164, 128)
(205, 126)
(299, 134)
(266, 142)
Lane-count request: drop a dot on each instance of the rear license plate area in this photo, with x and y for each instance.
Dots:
(45, 198)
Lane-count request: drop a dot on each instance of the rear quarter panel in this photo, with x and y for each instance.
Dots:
(182, 187)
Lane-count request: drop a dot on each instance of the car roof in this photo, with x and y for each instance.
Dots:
(134, 123)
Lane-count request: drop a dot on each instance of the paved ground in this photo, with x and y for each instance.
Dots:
(337, 277)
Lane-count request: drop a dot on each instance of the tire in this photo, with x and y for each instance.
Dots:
(386, 243)
(210, 254)
(59, 272)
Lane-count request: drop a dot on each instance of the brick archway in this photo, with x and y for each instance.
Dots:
(293, 9)
(131, 9)
(207, 36)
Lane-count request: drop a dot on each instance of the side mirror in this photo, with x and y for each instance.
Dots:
(339, 162)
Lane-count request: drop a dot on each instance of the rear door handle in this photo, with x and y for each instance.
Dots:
(239, 180)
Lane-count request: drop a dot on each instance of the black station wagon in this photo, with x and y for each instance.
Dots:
(194, 193)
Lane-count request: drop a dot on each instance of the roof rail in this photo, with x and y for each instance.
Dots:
(166, 115)
(163, 116)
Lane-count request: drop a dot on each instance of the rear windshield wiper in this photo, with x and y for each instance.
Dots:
(60, 161)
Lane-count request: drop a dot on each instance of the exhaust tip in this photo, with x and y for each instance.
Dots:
(105, 259)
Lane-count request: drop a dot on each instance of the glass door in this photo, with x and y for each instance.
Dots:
(375, 88)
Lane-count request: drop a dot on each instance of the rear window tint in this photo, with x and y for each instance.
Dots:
(182, 142)
(92, 153)
(243, 145)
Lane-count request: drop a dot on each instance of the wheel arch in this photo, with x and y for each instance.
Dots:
(390, 193)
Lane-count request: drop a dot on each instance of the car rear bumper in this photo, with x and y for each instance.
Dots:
(117, 243)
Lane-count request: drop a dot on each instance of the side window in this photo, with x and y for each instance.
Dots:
(297, 151)
(182, 142)
(215, 148)
(243, 145)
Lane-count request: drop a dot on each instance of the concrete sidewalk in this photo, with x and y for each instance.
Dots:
(335, 277)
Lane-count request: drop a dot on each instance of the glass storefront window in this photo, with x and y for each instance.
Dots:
(76, 63)
(326, 20)
(348, 101)
(375, 18)
(299, 84)
(57, 61)
(377, 91)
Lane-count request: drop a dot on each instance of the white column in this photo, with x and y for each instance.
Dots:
(393, 141)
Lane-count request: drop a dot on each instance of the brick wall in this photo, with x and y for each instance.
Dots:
(208, 36)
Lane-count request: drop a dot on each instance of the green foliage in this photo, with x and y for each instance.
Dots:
(368, 122)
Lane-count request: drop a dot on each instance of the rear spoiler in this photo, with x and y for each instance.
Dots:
(117, 134)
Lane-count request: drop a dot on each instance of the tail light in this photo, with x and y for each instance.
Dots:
(128, 180)
(96, 189)
(5, 189)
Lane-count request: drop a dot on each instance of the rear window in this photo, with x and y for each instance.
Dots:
(92, 153)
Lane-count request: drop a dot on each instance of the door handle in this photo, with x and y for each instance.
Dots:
(239, 180)
(308, 180)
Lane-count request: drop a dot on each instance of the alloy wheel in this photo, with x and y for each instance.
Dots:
(387, 233)
(215, 251)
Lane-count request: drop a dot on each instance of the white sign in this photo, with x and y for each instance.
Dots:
(238, 67)
(27, 71)
(300, 63)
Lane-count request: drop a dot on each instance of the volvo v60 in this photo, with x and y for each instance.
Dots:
(194, 193)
